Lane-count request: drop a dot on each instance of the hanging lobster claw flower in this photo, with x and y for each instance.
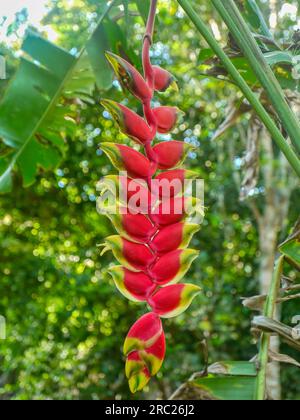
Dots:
(177, 236)
(134, 227)
(172, 267)
(143, 334)
(130, 123)
(171, 183)
(135, 257)
(125, 158)
(166, 118)
(171, 154)
(129, 77)
(163, 79)
(136, 287)
(173, 300)
(153, 235)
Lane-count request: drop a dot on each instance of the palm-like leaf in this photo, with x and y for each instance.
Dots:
(34, 112)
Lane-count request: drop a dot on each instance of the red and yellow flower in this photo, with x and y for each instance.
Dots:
(153, 232)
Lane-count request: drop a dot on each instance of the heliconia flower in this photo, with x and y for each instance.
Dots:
(175, 236)
(134, 227)
(135, 257)
(143, 334)
(125, 158)
(171, 154)
(130, 123)
(172, 183)
(129, 77)
(166, 118)
(172, 267)
(134, 286)
(154, 235)
(173, 300)
(163, 79)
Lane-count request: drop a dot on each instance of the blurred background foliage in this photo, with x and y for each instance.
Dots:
(65, 320)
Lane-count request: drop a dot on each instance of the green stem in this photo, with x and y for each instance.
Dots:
(239, 80)
(246, 41)
(264, 27)
(269, 312)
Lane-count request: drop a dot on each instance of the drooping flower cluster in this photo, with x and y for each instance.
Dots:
(153, 234)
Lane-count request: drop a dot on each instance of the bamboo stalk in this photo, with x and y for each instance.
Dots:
(269, 311)
(239, 80)
(246, 41)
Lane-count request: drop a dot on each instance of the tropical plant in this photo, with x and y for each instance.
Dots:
(42, 246)
(154, 236)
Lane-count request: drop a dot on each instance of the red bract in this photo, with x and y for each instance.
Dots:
(153, 231)
(171, 154)
(169, 211)
(166, 118)
(134, 256)
(172, 267)
(125, 158)
(172, 300)
(133, 194)
(134, 227)
(135, 286)
(163, 79)
(129, 77)
(129, 122)
(172, 183)
(175, 236)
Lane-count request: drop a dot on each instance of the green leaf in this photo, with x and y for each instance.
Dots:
(254, 16)
(5, 177)
(234, 381)
(230, 388)
(291, 249)
(47, 54)
(278, 57)
(26, 104)
(34, 117)
(280, 61)
(96, 48)
(143, 7)
(205, 54)
(233, 368)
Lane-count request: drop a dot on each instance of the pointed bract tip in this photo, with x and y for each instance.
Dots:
(174, 85)
(138, 382)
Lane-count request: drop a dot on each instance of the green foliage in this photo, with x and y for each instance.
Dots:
(35, 129)
(65, 322)
(233, 381)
